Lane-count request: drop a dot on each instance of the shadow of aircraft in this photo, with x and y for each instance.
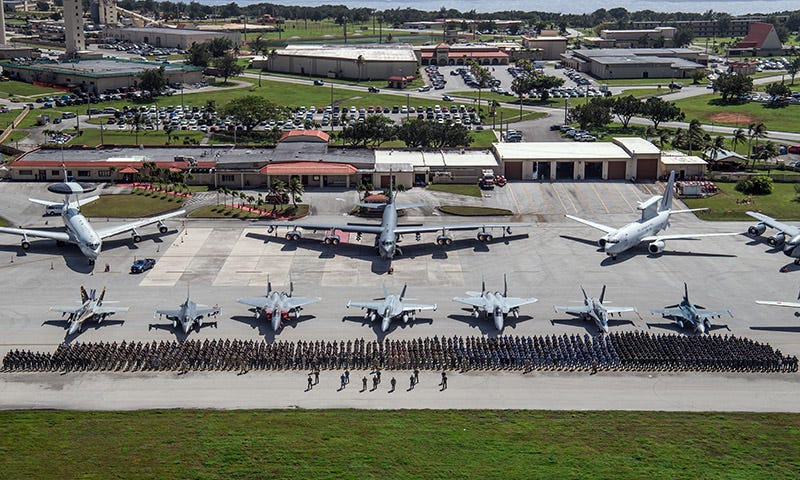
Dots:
(394, 325)
(180, 336)
(486, 325)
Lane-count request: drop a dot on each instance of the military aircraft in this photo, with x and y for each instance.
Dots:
(782, 304)
(595, 309)
(189, 315)
(686, 313)
(655, 217)
(390, 307)
(389, 232)
(91, 308)
(278, 306)
(495, 304)
(788, 237)
(78, 230)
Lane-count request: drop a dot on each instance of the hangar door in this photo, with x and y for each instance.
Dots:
(593, 170)
(647, 169)
(616, 170)
(385, 181)
(513, 170)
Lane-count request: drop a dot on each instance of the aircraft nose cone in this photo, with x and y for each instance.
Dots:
(498, 322)
(186, 327)
(276, 322)
(73, 327)
(385, 324)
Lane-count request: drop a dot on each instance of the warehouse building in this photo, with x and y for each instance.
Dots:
(356, 62)
(182, 38)
(549, 42)
(609, 63)
(460, 54)
(659, 37)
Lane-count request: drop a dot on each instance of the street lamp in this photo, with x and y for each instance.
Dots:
(344, 23)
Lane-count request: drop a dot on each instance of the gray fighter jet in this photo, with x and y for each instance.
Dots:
(390, 307)
(595, 309)
(495, 304)
(782, 304)
(189, 315)
(787, 238)
(687, 313)
(278, 306)
(91, 308)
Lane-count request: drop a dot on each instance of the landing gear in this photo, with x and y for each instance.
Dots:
(136, 237)
(26, 245)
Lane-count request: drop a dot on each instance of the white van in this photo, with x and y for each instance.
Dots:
(53, 210)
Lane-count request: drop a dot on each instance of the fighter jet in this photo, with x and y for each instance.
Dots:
(390, 307)
(782, 304)
(655, 218)
(77, 228)
(595, 309)
(788, 237)
(91, 308)
(686, 313)
(495, 304)
(389, 232)
(189, 315)
(278, 306)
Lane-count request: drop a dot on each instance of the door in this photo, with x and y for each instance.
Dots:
(616, 170)
(593, 170)
(647, 169)
(565, 170)
(513, 170)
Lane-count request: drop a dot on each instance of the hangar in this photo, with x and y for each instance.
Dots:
(624, 158)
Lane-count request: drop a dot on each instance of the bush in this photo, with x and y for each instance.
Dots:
(755, 186)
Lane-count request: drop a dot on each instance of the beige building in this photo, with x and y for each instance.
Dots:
(552, 45)
(685, 166)
(360, 62)
(182, 38)
(609, 63)
(73, 27)
(659, 37)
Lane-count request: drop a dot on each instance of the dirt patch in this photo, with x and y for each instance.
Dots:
(733, 118)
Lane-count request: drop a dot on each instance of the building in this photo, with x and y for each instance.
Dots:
(724, 159)
(738, 26)
(460, 54)
(659, 37)
(182, 38)
(73, 27)
(761, 41)
(104, 12)
(358, 62)
(743, 67)
(9, 51)
(2, 23)
(686, 167)
(608, 63)
(98, 76)
(551, 45)
(625, 158)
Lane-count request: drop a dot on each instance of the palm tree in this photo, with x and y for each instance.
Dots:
(756, 131)
(793, 68)
(717, 146)
(296, 190)
(695, 135)
(278, 190)
(738, 137)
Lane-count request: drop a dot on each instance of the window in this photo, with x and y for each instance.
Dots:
(83, 173)
(55, 173)
(104, 173)
(225, 178)
(26, 173)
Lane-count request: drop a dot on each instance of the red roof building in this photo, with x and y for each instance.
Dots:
(760, 41)
(444, 54)
(315, 136)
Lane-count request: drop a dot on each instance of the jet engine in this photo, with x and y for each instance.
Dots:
(26, 245)
(331, 240)
(444, 240)
(296, 313)
(405, 318)
(515, 312)
(293, 235)
(656, 247)
(136, 237)
(485, 237)
(373, 316)
(602, 242)
(777, 239)
(757, 229)
(162, 228)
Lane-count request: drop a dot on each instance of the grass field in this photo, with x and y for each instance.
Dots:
(14, 88)
(469, 189)
(783, 203)
(410, 444)
(467, 211)
(114, 136)
(133, 205)
(705, 107)
(221, 211)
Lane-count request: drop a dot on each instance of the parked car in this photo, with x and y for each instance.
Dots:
(793, 149)
(374, 89)
(142, 265)
(319, 82)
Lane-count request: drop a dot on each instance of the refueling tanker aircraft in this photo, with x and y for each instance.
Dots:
(278, 306)
(390, 307)
(91, 307)
(389, 232)
(494, 304)
(655, 218)
(788, 237)
(78, 230)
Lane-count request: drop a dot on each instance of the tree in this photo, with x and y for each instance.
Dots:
(754, 132)
(695, 136)
(219, 46)
(776, 91)
(42, 6)
(277, 191)
(168, 129)
(153, 80)
(295, 190)
(252, 110)
(698, 75)
(228, 66)
(793, 68)
(683, 37)
(522, 86)
(626, 108)
(360, 62)
(199, 55)
(738, 137)
(732, 86)
(543, 83)
(375, 130)
(657, 111)
(414, 133)
(594, 114)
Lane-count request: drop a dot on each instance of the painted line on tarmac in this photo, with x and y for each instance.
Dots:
(599, 198)
(514, 197)
(619, 191)
(558, 196)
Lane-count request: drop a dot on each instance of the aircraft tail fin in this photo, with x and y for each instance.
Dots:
(483, 285)
(391, 186)
(291, 285)
(685, 292)
(584, 293)
(666, 200)
(505, 286)
(187, 293)
(798, 295)
(403, 293)
(602, 294)
(64, 170)
(84, 295)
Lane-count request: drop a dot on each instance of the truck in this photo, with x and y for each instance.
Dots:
(488, 180)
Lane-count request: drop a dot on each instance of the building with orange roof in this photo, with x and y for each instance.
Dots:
(761, 41)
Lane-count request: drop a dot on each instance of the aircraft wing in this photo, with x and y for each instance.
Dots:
(295, 302)
(204, 312)
(62, 236)
(479, 302)
(169, 313)
(438, 228)
(787, 229)
(686, 236)
(109, 310)
(514, 302)
(367, 305)
(578, 309)
(258, 302)
(65, 309)
(619, 309)
(669, 312)
(715, 314)
(598, 226)
(779, 304)
(412, 307)
(116, 230)
(345, 227)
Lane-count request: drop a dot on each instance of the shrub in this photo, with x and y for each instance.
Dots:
(755, 186)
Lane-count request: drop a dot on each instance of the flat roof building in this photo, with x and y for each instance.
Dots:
(182, 38)
(609, 63)
(552, 47)
(98, 75)
(460, 54)
(659, 37)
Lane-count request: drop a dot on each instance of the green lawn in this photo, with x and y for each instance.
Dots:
(706, 107)
(220, 211)
(14, 88)
(405, 444)
(139, 204)
(783, 203)
(467, 211)
(114, 136)
(470, 189)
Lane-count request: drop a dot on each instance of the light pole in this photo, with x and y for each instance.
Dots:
(344, 23)
(408, 104)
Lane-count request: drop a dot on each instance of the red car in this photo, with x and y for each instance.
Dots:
(793, 149)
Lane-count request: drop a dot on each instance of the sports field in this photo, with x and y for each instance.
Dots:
(362, 444)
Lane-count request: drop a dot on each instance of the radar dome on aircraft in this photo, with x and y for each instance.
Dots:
(71, 188)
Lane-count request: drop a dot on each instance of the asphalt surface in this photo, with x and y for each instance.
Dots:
(229, 259)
